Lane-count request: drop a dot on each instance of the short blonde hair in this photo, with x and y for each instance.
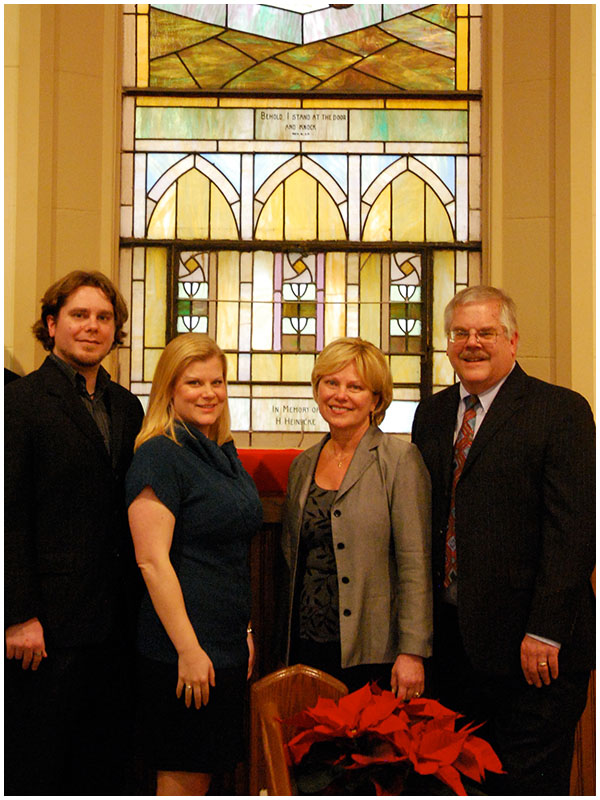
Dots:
(175, 358)
(371, 366)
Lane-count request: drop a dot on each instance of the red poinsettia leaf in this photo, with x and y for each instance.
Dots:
(427, 708)
(351, 705)
(436, 745)
(300, 744)
(365, 761)
(451, 778)
(483, 753)
(379, 708)
(469, 766)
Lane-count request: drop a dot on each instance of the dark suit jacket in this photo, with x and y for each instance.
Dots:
(525, 520)
(68, 553)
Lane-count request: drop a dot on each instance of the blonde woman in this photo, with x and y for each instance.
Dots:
(192, 511)
(356, 539)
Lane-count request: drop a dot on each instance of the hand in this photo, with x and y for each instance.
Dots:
(408, 677)
(251, 654)
(539, 661)
(196, 676)
(25, 641)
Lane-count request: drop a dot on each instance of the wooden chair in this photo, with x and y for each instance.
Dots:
(277, 696)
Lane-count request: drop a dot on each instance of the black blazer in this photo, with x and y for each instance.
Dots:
(68, 553)
(525, 520)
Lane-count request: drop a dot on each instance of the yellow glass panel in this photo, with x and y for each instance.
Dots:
(297, 367)
(331, 224)
(162, 222)
(266, 367)
(443, 292)
(462, 10)
(462, 54)
(227, 325)
(257, 102)
(300, 206)
(410, 103)
(370, 296)
(232, 366)
(335, 296)
(437, 222)
(150, 361)
(199, 102)
(142, 50)
(262, 306)
(406, 369)
(344, 103)
(408, 195)
(192, 205)
(443, 374)
(228, 276)
(378, 224)
(270, 221)
(155, 312)
(222, 221)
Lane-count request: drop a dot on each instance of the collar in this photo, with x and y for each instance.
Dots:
(487, 398)
(78, 381)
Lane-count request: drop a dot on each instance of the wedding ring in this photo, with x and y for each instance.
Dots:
(542, 663)
(187, 686)
(417, 694)
(37, 654)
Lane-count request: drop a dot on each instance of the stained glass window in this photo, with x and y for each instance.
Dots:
(290, 177)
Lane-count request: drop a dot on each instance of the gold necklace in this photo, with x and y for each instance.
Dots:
(340, 459)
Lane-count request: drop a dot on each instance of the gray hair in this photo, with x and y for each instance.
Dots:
(484, 294)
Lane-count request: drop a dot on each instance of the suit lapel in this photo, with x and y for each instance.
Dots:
(505, 405)
(59, 388)
(365, 454)
(446, 425)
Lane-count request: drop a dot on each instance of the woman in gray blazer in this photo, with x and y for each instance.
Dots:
(356, 538)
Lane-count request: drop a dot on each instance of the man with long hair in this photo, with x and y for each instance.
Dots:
(69, 567)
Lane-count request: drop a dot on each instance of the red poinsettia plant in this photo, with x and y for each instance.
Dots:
(370, 739)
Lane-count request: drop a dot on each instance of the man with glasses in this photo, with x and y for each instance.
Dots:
(511, 460)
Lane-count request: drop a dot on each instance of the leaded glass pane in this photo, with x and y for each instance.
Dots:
(359, 48)
(277, 223)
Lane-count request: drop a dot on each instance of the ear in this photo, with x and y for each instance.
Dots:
(51, 325)
(514, 342)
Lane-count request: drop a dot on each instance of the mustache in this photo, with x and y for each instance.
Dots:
(478, 356)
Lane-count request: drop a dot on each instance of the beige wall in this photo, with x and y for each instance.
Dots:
(61, 156)
(61, 169)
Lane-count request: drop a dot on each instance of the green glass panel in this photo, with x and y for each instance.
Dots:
(423, 34)
(214, 63)
(169, 69)
(444, 15)
(409, 125)
(409, 51)
(171, 32)
(184, 307)
(194, 123)
(319, 59)
(364, 42)
(411, 68)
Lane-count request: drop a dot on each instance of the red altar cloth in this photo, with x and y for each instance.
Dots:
(268, 468)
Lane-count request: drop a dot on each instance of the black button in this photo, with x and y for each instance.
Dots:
(341, 546)
(345, 580)
(337, 513)
(347, 612)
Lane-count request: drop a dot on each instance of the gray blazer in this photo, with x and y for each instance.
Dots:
(380, 521)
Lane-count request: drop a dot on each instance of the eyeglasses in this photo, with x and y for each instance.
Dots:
(485, 336)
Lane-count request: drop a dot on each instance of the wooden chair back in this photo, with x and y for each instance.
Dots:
(275, 697)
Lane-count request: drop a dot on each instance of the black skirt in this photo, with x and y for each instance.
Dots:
(179, 739)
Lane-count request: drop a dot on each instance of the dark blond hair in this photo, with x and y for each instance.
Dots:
(371, 366)
(175, 358)
(57, 295)
(484, 294)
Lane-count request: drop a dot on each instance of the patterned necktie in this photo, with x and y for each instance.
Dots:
(461, 451)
